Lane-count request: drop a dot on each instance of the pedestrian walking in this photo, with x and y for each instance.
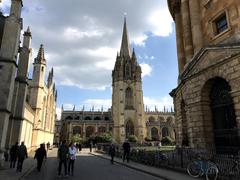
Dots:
(13, 155)
(72, 158)
(79, 147)
(112, 150)
(40, 154)
(90, 146)
(63, 153)
(48, 146)
(126, 150)
(21, 155)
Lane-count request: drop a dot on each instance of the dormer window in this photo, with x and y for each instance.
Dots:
(221, 23)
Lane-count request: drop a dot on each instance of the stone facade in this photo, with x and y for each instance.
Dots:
(57, 132)
(126, 116)
(91, 123)
(27, 106)
(207, 98)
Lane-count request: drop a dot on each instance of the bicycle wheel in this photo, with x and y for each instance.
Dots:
(212, 173)
(194, 169)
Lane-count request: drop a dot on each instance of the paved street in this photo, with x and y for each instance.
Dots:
(89, 167)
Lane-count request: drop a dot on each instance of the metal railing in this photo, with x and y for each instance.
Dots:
(228, 165)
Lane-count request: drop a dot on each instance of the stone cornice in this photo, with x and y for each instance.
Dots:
(5, 60)
(200, 54)
(174, 6)
(197, 57)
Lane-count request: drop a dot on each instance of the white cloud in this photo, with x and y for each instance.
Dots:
(68, 106)
(81, 38)
(98, 104)
(159, 18)
(146, 69)
(151, 103)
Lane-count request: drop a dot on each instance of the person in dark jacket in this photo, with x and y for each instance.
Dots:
(63, 153)
(40, 154)
(112, 151)
(126, 150)
(79, 147)
(13, 155)
(90, 146)
(21, 155)
(48, 146)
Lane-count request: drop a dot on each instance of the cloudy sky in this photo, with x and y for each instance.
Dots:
(81, 39)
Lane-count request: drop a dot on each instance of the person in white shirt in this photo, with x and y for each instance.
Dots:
(72, 158)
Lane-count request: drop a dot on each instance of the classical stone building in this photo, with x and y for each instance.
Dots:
(207, 98)
(126, 116)
(27, 106)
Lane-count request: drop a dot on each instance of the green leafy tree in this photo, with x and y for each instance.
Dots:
(132, 138)
(147, 139)
(76, 138)
(167, 141)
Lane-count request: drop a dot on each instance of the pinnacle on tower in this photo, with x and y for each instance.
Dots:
(40, 57)
(125, 46)
(134, 55)
(27, 32)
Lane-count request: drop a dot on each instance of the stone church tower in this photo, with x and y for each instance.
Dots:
(127, 97)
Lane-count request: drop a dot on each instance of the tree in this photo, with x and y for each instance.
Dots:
(76, 138)
(167, 141)
(147, 139)
(132, 138)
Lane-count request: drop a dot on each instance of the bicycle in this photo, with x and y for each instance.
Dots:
(235, 169)
(202, 167)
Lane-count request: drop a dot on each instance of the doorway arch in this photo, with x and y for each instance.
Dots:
(219, 113)
(129, 128)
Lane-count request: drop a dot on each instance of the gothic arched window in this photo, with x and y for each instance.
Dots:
(154, 134)
(89, 131)
(127, 71)
(129, 128)
(165, 132)
(101, 129)
(128, 98)
(77, 130)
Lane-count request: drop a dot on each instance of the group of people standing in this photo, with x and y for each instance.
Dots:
(126, 151)
(67, 157)
(18, 154)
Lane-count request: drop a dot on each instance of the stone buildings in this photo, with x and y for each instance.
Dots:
(126, 116)
(27, 106)
(207, 98)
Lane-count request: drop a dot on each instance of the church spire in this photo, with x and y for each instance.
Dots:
(40, 57)
(125, 46)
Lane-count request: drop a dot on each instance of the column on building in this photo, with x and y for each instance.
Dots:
(84, 131)
(21, 85)
(187, 34)
(8, 57)
(179, 37)
(196, 26)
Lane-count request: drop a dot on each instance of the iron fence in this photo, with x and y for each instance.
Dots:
(228, 165)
